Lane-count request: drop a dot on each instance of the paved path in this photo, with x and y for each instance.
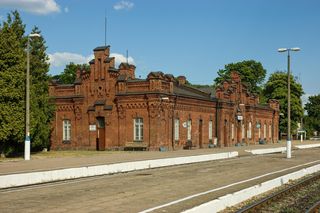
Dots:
(102, 158)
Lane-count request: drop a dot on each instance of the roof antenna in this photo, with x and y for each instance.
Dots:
(127, 57)
(105, 27)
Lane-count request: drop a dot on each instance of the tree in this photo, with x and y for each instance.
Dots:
(69, 74)
(277, 88)
(251, 72)
(41, 110)
(312, 120)
(12, 84)
(12, 88)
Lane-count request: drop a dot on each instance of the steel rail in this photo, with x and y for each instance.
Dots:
(315, 208)
(257, 205)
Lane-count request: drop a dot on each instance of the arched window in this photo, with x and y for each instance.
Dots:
(138, 129)
(176, 129)
(250, 130)
(243, 132)
(189, 129)
(210, 130)
(232, 131)
(270, 131)
(66, 130)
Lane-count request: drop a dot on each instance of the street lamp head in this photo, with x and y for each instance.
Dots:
(282, 50)
(295, 49)
(34, 35)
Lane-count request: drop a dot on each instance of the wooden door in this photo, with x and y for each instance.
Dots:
(100, 134)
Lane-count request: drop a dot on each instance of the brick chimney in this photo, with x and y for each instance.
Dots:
(181, 80)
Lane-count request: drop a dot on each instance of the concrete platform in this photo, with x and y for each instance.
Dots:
(167, 189)
(20, 172)
(29, 178)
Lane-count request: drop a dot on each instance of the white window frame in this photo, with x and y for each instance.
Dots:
(66, 133)
(265, 131)
(210, 130)
(232, 131)
(138, 129)
(176, 129)
(243, 133)
(189, 126)
(270, 131)
(259, 130)
(250, 130)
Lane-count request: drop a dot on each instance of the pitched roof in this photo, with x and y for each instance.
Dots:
(184, 90)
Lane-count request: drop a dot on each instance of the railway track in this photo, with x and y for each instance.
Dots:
(303, 196)
(315, 208)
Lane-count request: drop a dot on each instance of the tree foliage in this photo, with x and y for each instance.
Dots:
(277, 88)
(68, 76)
(312, 120)
(13, 62)
(41, 110)
(251, 72)
(12, 83)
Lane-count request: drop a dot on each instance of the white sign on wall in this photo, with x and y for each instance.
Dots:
(239, 117)
(184, 124)
(92, 127)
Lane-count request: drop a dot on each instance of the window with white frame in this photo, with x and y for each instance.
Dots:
(210, 130)
(250, 130)
(138, 129)
(259, 132)
(270, 131)
(232, 131)
(176, 129)
(189, 129)
(66, 130)
(243, 131)
(265, 131)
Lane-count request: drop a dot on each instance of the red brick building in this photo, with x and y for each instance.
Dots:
(109, 108)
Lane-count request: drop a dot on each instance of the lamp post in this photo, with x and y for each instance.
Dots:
(27, 138)
(289, 101)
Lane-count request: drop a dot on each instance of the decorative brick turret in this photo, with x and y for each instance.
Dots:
(181, 80)
(127, 70)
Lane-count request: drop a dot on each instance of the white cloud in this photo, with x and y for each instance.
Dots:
(1, 18)
(66, 10)
(123, 5)
(61, 59)
(41, 7)
(119, 58)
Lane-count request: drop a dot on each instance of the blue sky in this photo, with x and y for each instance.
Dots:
(182, 37)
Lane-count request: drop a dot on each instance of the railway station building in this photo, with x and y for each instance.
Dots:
(109, 108)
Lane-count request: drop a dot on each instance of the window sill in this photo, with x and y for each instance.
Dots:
(66, 141)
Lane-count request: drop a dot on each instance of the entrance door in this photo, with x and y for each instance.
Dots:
(100, 146)
(200, 133)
